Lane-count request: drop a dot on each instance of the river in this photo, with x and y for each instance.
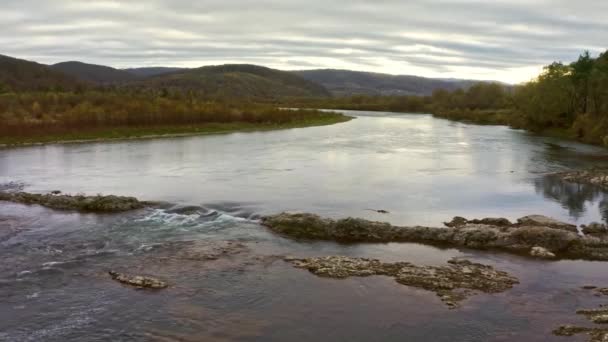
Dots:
(422, 170)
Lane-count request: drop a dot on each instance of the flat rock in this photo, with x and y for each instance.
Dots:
(99, 203)
(544, 221)
(138, 281)
(546, 236)
(452, 283)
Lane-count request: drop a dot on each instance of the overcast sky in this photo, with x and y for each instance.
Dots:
(506, 40)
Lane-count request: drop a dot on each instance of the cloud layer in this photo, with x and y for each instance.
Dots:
(507, 40)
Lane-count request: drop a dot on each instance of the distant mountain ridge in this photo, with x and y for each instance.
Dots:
(220, 81)
(152, 71)
(99, 74)
(233, 81)
(21, 75)
(347, 83)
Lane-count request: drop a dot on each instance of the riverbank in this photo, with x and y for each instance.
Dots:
(169, 131)
(509, 118)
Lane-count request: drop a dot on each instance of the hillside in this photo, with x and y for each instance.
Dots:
(152, 71)
(347, 83)
(98, 74)
(21, 75)
(240, 81)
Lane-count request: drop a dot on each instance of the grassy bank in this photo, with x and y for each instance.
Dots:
(45, 117)
(158, 131)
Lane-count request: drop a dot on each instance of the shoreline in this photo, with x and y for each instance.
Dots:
(491, 118)
(148, 133)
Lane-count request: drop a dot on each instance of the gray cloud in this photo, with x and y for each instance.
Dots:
(508, 40)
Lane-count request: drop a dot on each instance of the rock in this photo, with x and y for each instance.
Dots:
(492, 221)
(457, 221)
(99, 203)
(540, 252)
(591, 312)
(452, 283)
(595, 334)
(300, 226)
(598, 316)
(589, 287)
(569, 330)
(595, 229)
(544, 221)
(138, 281)
(519, 238)
(600, 319)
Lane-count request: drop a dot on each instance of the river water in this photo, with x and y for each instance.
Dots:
(423, 170)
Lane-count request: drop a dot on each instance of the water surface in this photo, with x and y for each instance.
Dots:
(423, 170)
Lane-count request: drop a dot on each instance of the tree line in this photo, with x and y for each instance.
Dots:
(568, 98)
(54, 113)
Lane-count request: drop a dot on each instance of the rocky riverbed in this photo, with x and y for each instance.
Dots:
(595, 334)
(597, 316)
(534, 235)
(452, 283)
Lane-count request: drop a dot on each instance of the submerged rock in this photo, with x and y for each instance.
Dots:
(138, 281)
(599, 316)
(452, 283)
(204, 250)
(530, 232)
(599, 291)
(82, 203)
(595, 334)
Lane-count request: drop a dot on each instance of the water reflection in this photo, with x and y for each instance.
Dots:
(576, 198)
(422, 169)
